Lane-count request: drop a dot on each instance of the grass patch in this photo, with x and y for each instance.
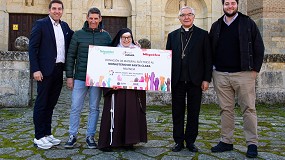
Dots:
(208, 135)
(8, 113)
(210, 110)
(164, 109)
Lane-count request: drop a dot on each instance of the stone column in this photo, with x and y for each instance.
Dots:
(157, 21)
(4, 17)
(142, 19)
(243, 6)
(77, 14)
(270, 18)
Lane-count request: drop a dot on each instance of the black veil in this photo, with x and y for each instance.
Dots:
(117, 38)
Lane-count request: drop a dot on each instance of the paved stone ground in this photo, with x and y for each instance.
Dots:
(16, 134)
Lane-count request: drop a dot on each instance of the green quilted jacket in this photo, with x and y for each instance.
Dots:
(76, 59)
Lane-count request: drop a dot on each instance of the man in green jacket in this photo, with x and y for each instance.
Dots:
(76, 66)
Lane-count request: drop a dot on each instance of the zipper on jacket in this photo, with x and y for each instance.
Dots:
(93, 37)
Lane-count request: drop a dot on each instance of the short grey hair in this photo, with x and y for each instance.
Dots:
(186, 7)
(94, 10)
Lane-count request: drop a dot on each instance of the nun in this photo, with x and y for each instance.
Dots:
(123, 122)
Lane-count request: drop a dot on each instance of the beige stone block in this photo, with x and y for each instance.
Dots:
(140, 31)
(275, 50)
(278, 39)
(9, 90)
(280, 45)
(155, 31)
(155, 24)
(17, 1)
(156, 19)
(274, 66)
(2, 5)
(16, 65)
(43, 3)
(141, 23)
(156, 13)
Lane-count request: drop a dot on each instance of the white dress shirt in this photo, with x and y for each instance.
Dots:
(60, 43)
(230, 22)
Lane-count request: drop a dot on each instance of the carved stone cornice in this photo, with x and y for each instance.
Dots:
(271, 10)
(274, 58)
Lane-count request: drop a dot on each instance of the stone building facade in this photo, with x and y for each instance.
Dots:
(150, 19)
(154, 19)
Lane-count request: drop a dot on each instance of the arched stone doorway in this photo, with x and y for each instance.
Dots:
(116, 14)
(21, 17)
(119, 8)
(201, 8)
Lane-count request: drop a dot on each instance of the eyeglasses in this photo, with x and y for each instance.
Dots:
(189, 15)
(127, 38)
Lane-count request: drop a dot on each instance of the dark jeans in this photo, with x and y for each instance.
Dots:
(48, 91)
(194, 95)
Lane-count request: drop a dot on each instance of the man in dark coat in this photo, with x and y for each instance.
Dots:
(238, 52)
(191, 74)
(49, 41)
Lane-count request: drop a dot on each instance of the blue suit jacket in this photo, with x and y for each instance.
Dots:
(42, 45)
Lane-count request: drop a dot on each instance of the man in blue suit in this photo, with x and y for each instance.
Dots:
(49, 41)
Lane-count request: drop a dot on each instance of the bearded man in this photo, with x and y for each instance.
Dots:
(238, 52)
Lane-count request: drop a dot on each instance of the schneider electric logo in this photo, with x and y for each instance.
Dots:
(106, 52)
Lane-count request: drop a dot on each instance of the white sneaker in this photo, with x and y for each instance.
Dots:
(42, 143)
(53, 140)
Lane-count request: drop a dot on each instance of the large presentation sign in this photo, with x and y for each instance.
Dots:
(129, 68)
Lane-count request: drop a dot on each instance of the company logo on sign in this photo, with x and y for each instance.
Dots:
(151, 54)
(106, 52)
(125, 53)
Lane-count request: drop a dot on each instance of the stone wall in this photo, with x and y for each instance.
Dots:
(153, 20)
(14, 79)
(15, 84)
(270, 85)
(150, 19)
(271, 80)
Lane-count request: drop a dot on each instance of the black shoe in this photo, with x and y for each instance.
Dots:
(91, 142)
(129, 148)
(177, 147)
(222, 147)
(192, 147)
(252, 151)
(71, 142)
(106, 149)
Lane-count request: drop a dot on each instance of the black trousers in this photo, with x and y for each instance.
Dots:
(48, 91)
(194, 95)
